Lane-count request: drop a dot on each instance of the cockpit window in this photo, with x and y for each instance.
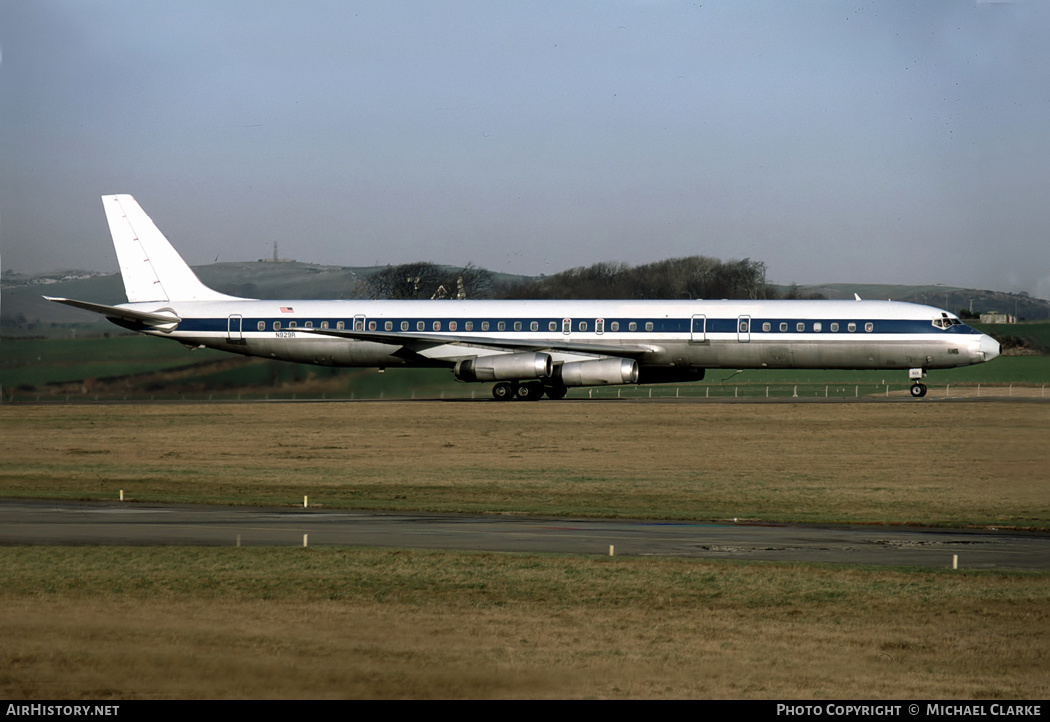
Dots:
(946, 321)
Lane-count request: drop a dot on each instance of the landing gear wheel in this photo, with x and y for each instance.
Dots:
(530, 392)
(918, 390)
(503, 391)
(556, 392)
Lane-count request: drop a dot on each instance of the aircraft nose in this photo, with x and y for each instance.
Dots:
(989, 348)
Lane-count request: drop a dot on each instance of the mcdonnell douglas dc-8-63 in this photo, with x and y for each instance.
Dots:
(529, 348)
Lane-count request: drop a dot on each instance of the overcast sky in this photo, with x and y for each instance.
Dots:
(867, 142)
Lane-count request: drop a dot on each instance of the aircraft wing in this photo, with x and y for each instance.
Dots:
(163, 321)
(419, 342)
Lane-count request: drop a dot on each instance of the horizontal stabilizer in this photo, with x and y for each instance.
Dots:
(166, 321)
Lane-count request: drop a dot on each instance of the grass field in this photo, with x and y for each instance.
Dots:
(118, 623)
(113, 622)
(911, 463)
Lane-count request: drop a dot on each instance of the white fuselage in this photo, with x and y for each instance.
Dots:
(699, 334)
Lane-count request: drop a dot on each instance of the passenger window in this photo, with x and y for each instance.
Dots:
(851, 327)
(834, 328)
(648, 325)
(501, 325)
(421, 325)
(817, 326)
(388, 326)
(766, 326)
(292, 324)
(276, 325)
(534, 326)
(869, 327)
(324, 325)
(783, 326)
(517, 325)
(452, 326)
(437, 325)
(614, 326)
(553, 326)
(340, 326)
(404, 325)
(583, 325)
(800, 326)
(371, 325)
(484, 325)
(468, 325)
(262, 325)
(632, 326)
(309, 324)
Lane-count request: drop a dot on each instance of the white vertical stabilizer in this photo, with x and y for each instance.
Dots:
(151, 268)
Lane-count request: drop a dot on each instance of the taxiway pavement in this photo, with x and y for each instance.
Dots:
(135, 524)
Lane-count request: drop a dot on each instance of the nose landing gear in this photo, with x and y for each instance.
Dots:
(918, 388)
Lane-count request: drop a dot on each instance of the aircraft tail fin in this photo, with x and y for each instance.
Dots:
(151, 268)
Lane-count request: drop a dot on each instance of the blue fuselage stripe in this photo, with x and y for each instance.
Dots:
(754, 326)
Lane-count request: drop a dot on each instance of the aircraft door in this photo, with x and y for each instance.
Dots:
(233, 329)
(359, 323)
(566, 326)
(698, 329)
(743, 329)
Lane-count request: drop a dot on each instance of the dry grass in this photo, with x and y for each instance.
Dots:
(270, 623)
(929, 463)
(251, 623)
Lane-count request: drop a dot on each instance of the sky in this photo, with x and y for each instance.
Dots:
(850, 142)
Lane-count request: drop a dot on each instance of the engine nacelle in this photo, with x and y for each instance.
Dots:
(601, 372)
(505, 367)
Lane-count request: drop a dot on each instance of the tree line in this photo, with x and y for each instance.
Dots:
(692, 277)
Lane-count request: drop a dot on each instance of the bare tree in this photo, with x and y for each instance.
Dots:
(422, 279)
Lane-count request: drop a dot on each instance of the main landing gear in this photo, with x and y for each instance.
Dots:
(918, 388)
(531, 391)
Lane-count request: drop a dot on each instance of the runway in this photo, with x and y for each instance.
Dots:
(24, 522)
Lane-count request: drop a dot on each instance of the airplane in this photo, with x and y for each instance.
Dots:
(529, 349)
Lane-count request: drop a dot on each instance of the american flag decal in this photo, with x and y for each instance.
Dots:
(286, 309)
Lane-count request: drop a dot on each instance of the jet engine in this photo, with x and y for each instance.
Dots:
(601, 372)
(505, 367)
